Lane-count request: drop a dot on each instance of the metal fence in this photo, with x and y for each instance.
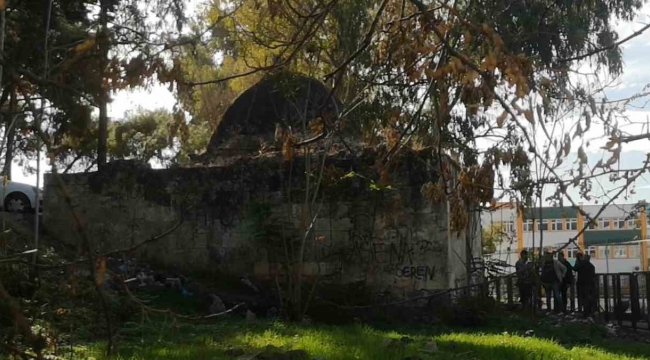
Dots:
(622, 297)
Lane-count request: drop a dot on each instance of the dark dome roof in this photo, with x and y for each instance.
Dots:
(286, 99)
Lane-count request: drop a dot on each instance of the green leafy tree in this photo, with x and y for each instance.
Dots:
(89, 57)
(144, 136)
(67, 95)
(252, 38)
(493, 236)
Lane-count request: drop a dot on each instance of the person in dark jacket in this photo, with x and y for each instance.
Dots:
(576, 267)
(551, 277)
(524, 279)
(567, 281)
(586, 281)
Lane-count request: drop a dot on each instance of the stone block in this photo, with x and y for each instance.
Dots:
(262, 270)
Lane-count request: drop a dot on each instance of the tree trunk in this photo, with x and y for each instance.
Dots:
(10, 127)
(468, 245)
(3, 13)
(103, 97)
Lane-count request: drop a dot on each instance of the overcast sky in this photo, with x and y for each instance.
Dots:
(635, 77)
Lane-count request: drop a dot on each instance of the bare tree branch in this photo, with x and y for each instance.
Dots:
(631, 138)
(612, 46)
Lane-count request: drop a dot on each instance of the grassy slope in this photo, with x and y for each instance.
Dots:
(158, 340)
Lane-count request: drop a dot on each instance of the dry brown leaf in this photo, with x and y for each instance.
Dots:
(522, 88)
(498, 42)
(275, 7)
(567, 144)
(415, 75)
(582, 155)
(490, 62)
(610, 144)
(579, 131)
(317, 126)
(529, 116)
(592, 104)
(100, 270)
(86, 45)
(3, 4)
(469, 77)
(502, 118)
(287, 148)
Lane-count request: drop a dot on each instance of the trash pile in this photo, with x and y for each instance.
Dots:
(562, 319)
(611, 330)
(141, 277)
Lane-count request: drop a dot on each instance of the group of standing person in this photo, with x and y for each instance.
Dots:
(556, 276)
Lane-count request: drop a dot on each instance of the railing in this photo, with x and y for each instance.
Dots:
(622, 297)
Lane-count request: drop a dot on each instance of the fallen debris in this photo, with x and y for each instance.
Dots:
(430, 347)
(250, 316)
(217, 305)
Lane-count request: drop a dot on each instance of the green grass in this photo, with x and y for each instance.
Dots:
(159, 340)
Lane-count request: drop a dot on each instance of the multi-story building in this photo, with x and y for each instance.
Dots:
(616, 241)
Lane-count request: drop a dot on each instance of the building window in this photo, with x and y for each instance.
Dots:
(635, 251)
(592, 225)
(603, 224)
(528, 225)
(508, 227)
(631, 224)
(620, 252)
(619, 223)
(592, 251)
(603, 252)
(556, 225)
(543, 225)
(572, 253)
(572, 224)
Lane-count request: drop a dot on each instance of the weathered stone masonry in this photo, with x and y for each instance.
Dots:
(234, 220)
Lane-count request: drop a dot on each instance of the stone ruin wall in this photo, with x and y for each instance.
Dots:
(232, 220)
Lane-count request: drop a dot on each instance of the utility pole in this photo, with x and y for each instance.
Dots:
(607, 257)
(102, 41)
(541, 220)
(39, 120)
(3, 19)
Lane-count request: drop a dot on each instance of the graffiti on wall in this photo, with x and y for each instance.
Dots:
(403, 252)
(422, 272)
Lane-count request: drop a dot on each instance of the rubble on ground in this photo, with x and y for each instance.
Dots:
(139, 276)
(611, 329)
(217, 305)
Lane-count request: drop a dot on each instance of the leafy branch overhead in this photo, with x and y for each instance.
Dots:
(506, 99)
(446, 75)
